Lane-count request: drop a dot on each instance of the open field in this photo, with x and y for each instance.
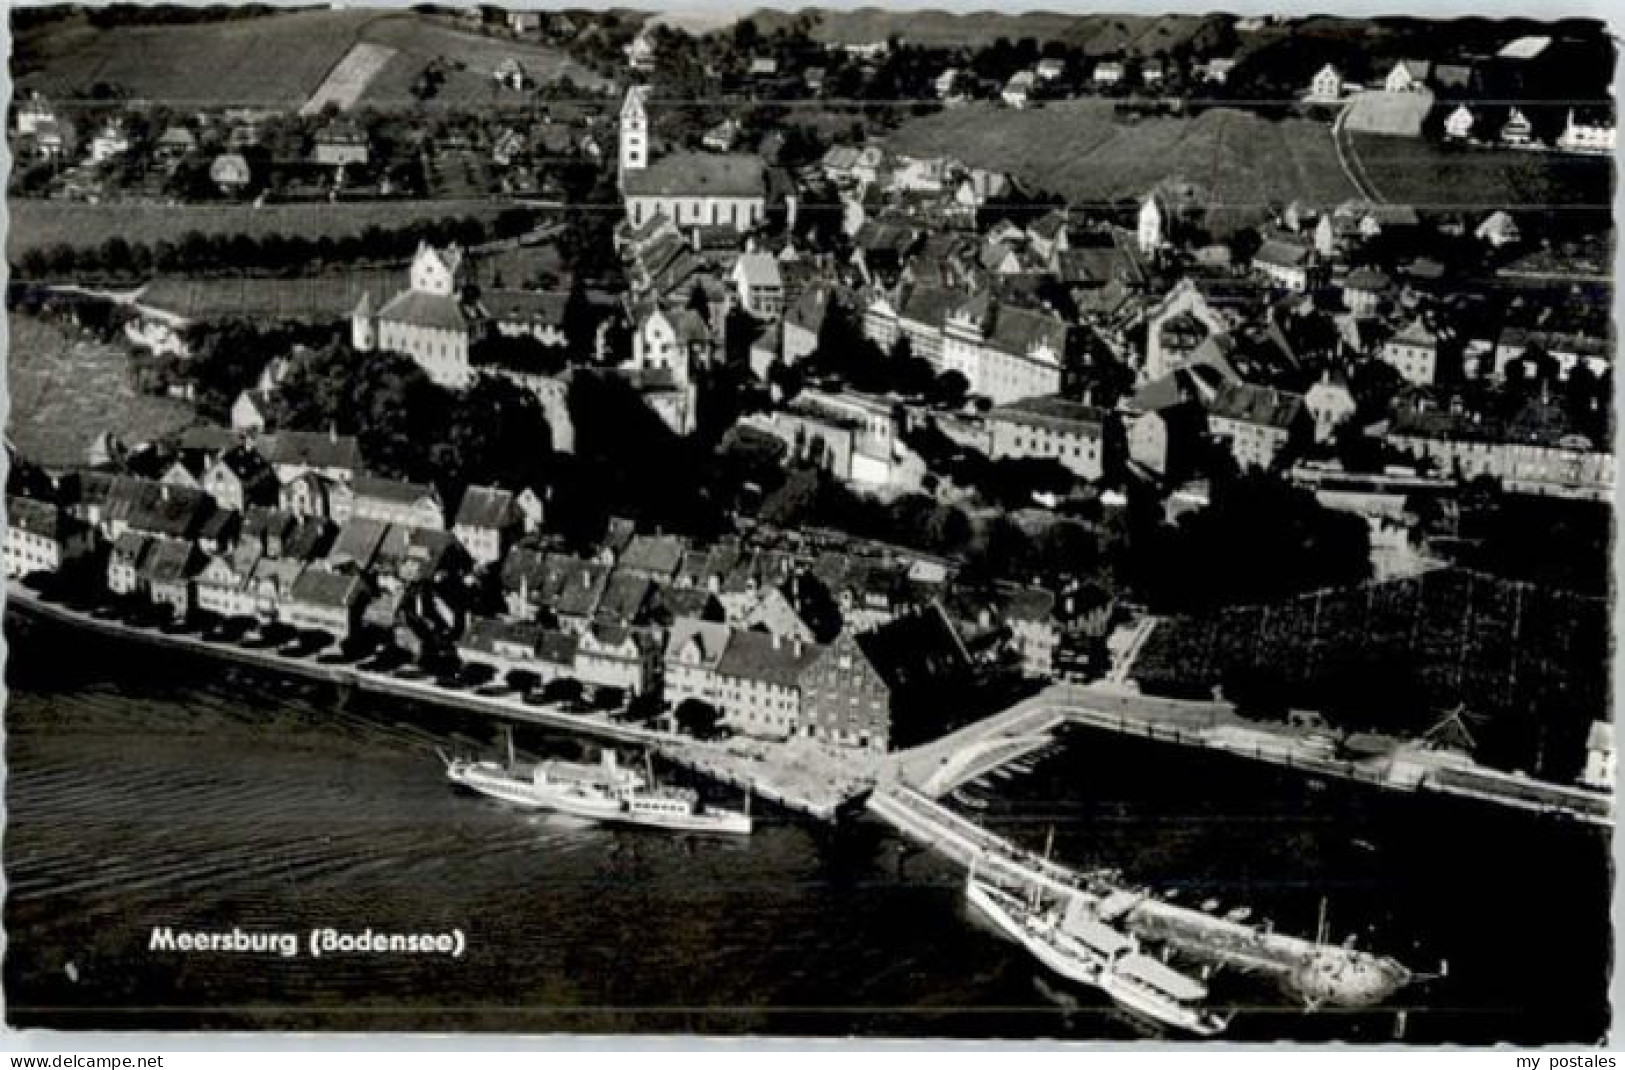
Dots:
(275, 61)
(1417, 172)
(66, 389)
(347, 81)
(42, 223)
(469, 59)
(1239, 162)
(1095, 34)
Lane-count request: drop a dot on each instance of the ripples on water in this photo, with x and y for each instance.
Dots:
(147, 787)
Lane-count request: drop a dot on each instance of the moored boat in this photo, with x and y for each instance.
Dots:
(604, 791)
(1070, 939)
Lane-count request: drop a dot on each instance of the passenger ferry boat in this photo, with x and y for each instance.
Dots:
(1072, 941)
(598, 792)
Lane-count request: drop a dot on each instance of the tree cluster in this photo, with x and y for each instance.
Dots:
(494, 433)
(196, 253)
(1258, 540)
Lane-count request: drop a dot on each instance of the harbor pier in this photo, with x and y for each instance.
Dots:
(938, 767)
(1317, 973)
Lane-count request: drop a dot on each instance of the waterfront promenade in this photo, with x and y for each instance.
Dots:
(790, 777)
(825, 783)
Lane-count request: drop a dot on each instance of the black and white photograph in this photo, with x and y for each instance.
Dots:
(844, 523)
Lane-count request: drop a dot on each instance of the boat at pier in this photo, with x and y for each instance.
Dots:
(1069, 938)
(602, 791)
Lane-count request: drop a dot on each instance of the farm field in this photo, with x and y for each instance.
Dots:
(42, 223)
(1237, 162)
(469, 59)
(66, 389)
(272, 61)
(1138, 35)
(320, 299)
(1528, 662)
(276, 61)
(347, 81)
(1415, 171)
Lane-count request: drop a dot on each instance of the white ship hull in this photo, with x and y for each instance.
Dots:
(594, 803)
(490, 779)
(1007, 916)
(1149, 1004)
(1071, 960)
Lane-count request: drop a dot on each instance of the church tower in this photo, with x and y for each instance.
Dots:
(635, 130)
(362, 326)
(1152, 228)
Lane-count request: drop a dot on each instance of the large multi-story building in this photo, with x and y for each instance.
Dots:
(1258, 423)
(392, 501)
(40, 537)
(1005, 352)
(488, 522)
(759, 683)
(692, 652)
(1414, 352)
(1069, 432)
(845, 700)
(428, 321)
(1532, 459)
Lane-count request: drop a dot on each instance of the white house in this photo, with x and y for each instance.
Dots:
(111, 141)
(640, 54)
(1599, 770)
(760, 285)
(666, 340)
(32, 114)
(1408, 75)
(1498, 229)
(1327, 84)
(1458, 126)
(1587, 136)
(1019, 89)
(1288, 264)
(1517, 130)
(510, 74)
(1414, 353)
(1108, 73)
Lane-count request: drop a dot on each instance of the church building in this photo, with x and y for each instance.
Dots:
(688, 188)
(427, 321)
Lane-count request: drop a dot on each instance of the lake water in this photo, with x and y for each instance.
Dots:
(148, 788)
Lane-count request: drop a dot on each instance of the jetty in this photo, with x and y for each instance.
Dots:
(1314, 972)
(940, 766)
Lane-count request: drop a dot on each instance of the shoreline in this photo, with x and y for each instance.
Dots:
(719, 763)
(783, 775)
(942, 766)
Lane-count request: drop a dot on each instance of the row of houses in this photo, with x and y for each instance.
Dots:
(786, 643)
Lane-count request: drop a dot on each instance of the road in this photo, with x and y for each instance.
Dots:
(1350, 162)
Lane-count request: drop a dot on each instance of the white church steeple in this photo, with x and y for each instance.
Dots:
(635, 130)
